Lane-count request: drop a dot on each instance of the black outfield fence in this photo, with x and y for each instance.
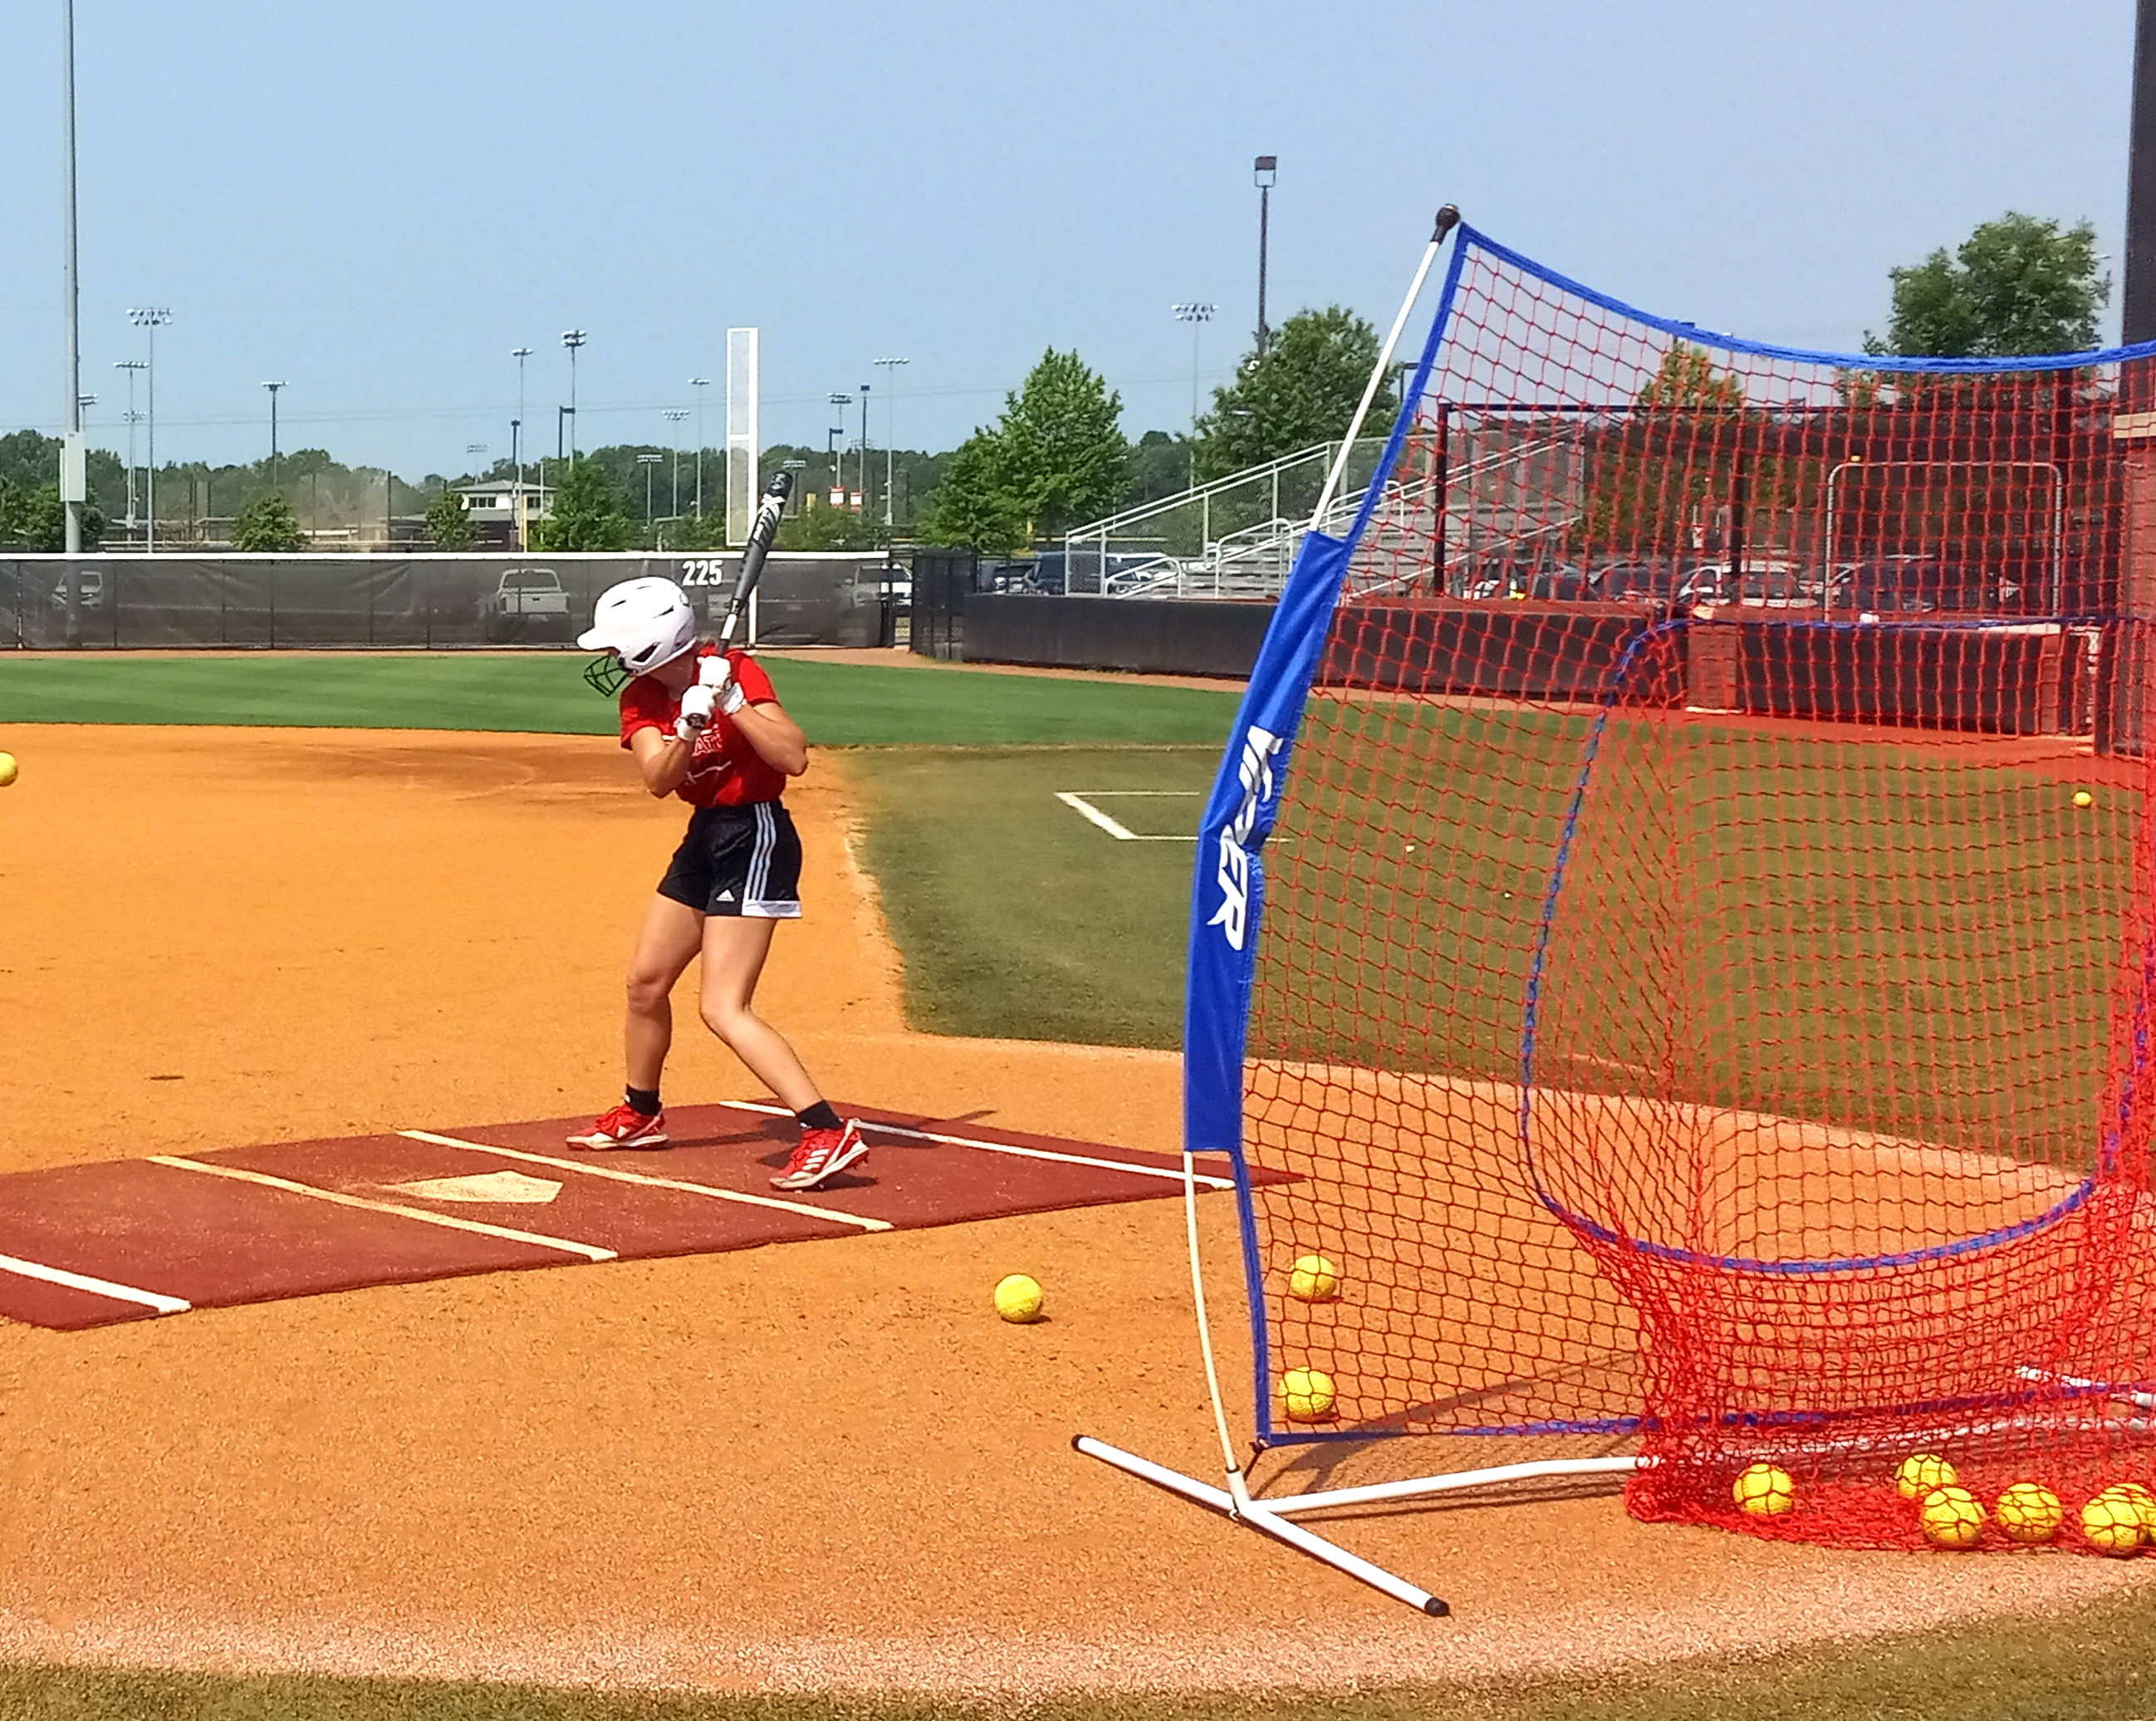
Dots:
(1152, 636)
(434, 601)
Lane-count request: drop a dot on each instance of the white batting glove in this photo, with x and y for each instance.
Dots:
(716, 675)
(696, 705)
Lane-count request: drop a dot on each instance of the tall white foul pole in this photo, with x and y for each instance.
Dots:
(74, 538)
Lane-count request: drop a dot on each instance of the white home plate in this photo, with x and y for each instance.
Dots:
(512, 1188)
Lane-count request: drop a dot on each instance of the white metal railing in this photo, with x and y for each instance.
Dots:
(1253, 560)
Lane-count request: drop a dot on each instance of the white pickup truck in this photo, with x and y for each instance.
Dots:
(525, 602)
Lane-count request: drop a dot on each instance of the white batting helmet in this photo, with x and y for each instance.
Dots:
(645, 622)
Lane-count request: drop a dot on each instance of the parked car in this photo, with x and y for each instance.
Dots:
(525, 601)
(1916, 585)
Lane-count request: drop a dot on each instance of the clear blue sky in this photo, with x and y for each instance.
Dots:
(377, 204)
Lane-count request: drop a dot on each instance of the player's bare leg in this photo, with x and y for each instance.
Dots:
(666, 944)
(672, 934)
(734, 951)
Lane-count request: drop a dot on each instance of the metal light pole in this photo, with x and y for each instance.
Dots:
(839, 467)
(673, 415)
(72, 541)
(152, 318)
(273, 388)
(1263, 175)
(647, 461)
(865, 448)
(573, 339)
(130, 365)
(890, 428)
(516, 443)
(700, 385)
(1196, 315)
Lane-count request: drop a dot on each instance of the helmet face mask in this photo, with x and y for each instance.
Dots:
(640, 624)
(607, 674)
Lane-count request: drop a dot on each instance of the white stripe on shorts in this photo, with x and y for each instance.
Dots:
(759, 858)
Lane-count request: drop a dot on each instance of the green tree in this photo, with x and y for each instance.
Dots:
(41, 521)
(449, 521)
(820, 526)
(1669, 463)
(2015, 286)
(588, 514)
(1161, 465)
(1303, 389)
(267, 523)
(1060, 458)
(690, 533)
(971, 506)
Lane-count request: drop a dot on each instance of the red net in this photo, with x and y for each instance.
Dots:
(1705, 972)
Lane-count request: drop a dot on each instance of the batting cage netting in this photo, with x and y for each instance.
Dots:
(1677, 899)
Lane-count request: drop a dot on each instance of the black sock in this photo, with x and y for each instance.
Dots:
(819, 1116)
(645, 1100)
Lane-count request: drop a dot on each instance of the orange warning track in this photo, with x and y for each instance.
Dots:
(87, 1245)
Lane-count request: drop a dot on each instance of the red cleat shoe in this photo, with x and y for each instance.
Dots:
(624, 1127)
(822, 1154)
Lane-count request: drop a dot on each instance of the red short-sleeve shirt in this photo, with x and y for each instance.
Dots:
(724, 770)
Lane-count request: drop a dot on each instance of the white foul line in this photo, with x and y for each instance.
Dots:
(590, 1251)
(99, 1288)
(1079, 804)
(967, 1141)
(615, 1174)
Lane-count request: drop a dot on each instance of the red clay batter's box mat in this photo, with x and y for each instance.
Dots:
(85, 1246)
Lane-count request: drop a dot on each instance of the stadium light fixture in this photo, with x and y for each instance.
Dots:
(273, 388)
(1263, 174)
(151, 318)
(673, 415)
(130, 365)
(864, 445)
(838, 469)
(573, 339)
(890, 428)
(700, 385)
(1196, 315)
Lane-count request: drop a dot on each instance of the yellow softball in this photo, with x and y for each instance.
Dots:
(1921, 1473)
(2028, 1513)
(1764, 1490)
(1309, 1394)
(1314, 1280)
(2111, 1524)
(1951, 1517)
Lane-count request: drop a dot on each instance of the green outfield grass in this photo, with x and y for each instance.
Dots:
(2092, 1662)
(838, 705)
(1016, 916)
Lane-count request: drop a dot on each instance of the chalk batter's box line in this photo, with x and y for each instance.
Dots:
(1012, 1148)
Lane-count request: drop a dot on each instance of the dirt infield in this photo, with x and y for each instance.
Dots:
(774, 1469)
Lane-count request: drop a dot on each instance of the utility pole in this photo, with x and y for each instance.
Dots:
(1263, 175)
(700, 385)
(647, 461)
(889, 431)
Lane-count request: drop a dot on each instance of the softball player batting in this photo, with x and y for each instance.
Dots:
(704, 725)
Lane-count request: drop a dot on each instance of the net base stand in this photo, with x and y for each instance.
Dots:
(1273, 1518)
(1252, 1514)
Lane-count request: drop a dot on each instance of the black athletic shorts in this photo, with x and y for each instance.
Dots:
(738, 861)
